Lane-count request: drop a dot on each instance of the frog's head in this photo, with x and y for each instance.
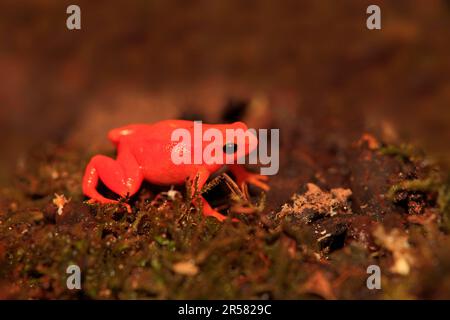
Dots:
(239, 141)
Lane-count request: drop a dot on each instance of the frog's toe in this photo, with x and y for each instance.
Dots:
(215, 214)
(209, 212)
(257, 180)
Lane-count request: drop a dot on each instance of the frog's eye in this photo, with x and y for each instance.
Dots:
(230, 148)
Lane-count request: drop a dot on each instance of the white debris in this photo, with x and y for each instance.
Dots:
(60, 201)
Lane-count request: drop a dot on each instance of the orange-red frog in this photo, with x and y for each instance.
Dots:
(145, 152)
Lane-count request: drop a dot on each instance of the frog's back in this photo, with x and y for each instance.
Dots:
(152, 146)
(161, 129)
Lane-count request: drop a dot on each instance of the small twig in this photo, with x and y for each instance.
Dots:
(234, 188)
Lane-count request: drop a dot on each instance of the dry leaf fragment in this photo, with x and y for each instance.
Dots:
(318, 284)
(187, 268)
(371, 141)
(60, 201)
(397, 243)
(319, 201)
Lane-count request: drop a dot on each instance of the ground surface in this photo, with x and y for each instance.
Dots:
(333, 210)
(355, 109)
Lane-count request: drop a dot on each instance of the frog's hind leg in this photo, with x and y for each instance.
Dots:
(122, 176)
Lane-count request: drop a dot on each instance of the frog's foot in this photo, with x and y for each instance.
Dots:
(197, 182)
(214, 213)
(244, 177)
(210, 212)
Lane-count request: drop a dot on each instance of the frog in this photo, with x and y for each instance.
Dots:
(145, 153)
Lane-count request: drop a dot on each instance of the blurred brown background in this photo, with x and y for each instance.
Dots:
(314, 64)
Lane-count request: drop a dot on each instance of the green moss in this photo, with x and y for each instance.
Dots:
(132, 256)
(403, 152)
(434, 184)
(422, 185)
(443, 201)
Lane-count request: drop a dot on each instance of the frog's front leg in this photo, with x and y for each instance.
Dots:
(122, 176)
(197, 182)
(243, 176)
